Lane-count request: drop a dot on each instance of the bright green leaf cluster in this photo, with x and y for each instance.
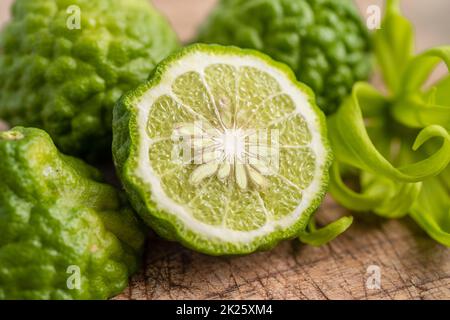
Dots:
(398, 144)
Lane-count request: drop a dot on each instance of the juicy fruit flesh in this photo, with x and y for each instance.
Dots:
(229, 98)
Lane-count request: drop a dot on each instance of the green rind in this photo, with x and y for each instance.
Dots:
(126, 140)
(55, 212)
(325, 42)
(67, 81)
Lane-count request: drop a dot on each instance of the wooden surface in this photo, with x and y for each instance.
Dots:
(411, 265)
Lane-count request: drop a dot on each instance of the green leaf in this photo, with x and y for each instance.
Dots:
(420, 67)
(353, 146)
(416, 109)
(317, 237)
(380, 195)
(398, 196)
(351, 199)
(431, 211)
(435, 163)
(415, 112)
(441, 91)
(444, 177)
(394, 45)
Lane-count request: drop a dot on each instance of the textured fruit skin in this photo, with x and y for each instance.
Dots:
(125, 147)
(67, 81)
(323, 41)
(55, 213)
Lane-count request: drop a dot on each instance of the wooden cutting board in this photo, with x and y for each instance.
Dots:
(408, 264)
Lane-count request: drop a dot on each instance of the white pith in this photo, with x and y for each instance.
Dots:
(230, 153)
(197, 62)
(232, 143)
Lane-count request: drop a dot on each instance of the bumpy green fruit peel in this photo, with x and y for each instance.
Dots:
(63, 233)
(323, 41)
(64, 63)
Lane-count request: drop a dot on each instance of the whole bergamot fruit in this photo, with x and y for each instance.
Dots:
(64, 63)
(63, 233)
(323, 41)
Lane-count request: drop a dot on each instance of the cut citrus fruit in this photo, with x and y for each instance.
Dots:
(222, 150)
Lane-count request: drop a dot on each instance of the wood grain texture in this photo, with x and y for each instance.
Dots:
(412, 265)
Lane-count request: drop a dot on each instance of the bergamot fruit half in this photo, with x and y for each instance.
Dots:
(63, 233)
(323, 41)
(222, 150)
(65, 63)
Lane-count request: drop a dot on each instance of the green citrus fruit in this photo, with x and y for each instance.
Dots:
(222, 150)
(63, 233)
(323, 41)
(65, 63)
